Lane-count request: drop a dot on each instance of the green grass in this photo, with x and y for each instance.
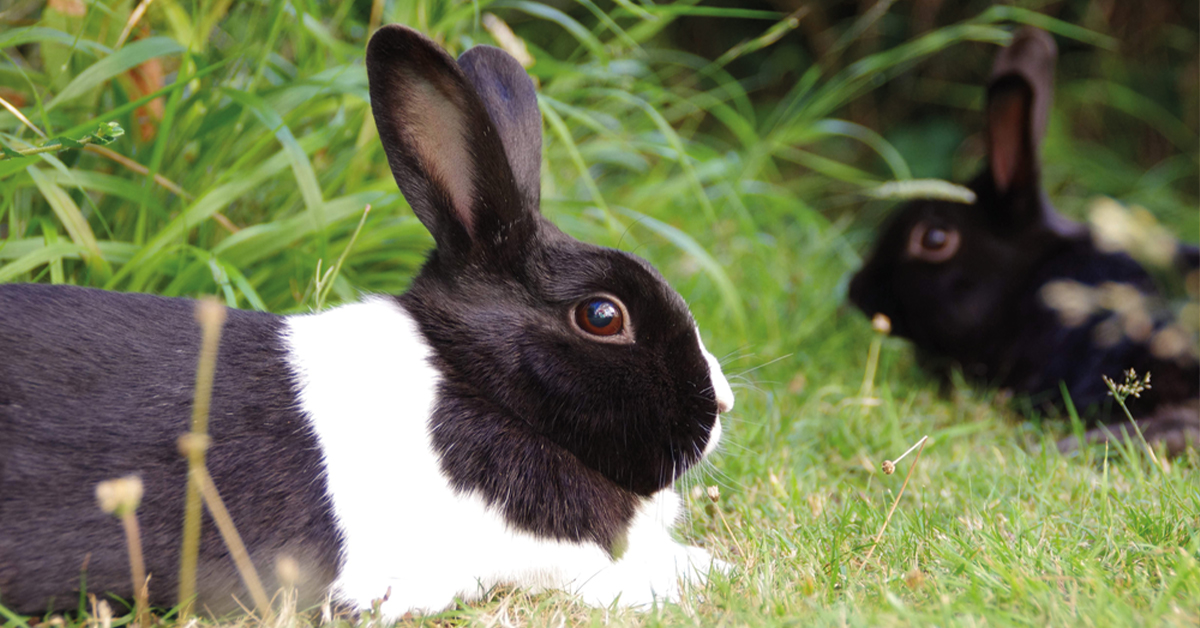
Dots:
(748, 188)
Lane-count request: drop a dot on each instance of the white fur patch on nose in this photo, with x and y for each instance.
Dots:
(721, 389)
(714, 437)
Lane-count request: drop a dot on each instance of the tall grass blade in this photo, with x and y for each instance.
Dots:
(302, 169)
(45, 254)
(70, 217)
(118, 62)
(577, 30)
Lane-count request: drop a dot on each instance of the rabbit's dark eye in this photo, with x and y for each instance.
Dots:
(600, 317)
(932, 244)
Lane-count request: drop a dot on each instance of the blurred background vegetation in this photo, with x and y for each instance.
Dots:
(736, 145)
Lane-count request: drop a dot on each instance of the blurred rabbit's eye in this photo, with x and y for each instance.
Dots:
(600, 316)
(932, 244)
(934, 239)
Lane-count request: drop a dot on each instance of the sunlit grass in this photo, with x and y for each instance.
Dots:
(249, 180)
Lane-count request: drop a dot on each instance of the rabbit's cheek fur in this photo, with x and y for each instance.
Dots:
(368, 384)
(639, 414)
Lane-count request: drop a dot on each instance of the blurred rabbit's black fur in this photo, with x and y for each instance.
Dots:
(966, 283)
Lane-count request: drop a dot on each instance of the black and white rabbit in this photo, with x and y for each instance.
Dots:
(968, 283)
(518, 416)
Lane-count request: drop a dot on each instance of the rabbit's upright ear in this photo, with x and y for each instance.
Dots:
(511, 100)
(444, 149)
(1019, 96)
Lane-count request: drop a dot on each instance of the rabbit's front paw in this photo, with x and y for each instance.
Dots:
(695, 564)
(640, 581)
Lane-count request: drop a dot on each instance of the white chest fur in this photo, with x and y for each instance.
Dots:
(367, 385)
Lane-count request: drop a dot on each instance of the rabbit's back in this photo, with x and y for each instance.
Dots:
(1044, 351)
(97, 385)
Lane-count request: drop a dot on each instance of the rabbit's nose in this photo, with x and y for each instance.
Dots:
(720, 386)
(721, 389)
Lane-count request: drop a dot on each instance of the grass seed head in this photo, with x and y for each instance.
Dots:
(1132, 387)
(120, 496)
(210, 313)
(881, 324)
(287, 571)
(507, 39)
(190, 443)
(914, 579)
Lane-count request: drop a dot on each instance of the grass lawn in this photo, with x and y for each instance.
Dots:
(747, 177)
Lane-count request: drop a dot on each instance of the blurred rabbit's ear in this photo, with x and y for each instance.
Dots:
(1019, 97)
(444, 150)
(511, 100)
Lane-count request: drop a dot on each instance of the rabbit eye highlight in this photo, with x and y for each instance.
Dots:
(600, 316)
(932, 244)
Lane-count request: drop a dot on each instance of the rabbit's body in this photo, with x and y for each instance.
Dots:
(973, 285)
(1034, 352)
(73, 361)
(518, 416)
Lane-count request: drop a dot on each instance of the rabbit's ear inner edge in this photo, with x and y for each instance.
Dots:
(1011, 150)
(439, 134)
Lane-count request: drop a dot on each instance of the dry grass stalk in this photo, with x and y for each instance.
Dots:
(211, 316)
(233, 541)
(714, 494)
(134, 18)
(102, 616)
(882, 326)
(121, 497)
(875, 542)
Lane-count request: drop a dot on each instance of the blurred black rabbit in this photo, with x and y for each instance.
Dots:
(1020, 297)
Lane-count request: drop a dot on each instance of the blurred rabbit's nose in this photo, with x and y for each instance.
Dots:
(859, 294)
